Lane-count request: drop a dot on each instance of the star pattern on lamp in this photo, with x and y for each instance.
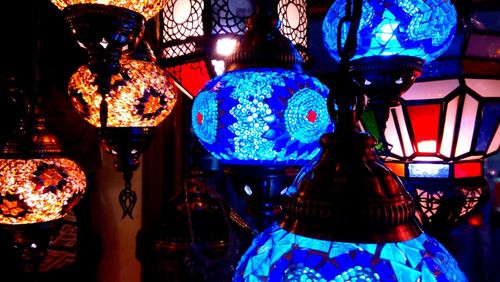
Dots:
(11, 205)
(49, 178)
(277, 254)
(261, 115)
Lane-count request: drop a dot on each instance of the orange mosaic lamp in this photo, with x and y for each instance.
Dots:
(147, 8)
(38, 186)
(140, 97)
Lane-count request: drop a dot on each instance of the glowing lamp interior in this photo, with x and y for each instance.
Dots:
(141, 95)
(147, 8)
(418, 28)
(277, 255)
(261, 116)
(38, 190)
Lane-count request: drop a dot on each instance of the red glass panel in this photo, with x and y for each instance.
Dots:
(425, 123)
(472, 169)
(192, 76)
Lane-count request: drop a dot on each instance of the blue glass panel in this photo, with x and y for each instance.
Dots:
(428, 170)
(489, 122)
(420, 28)
(262, 116)
(305, 259)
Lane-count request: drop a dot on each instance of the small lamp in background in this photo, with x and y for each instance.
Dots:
(447, 124)
(261, 118)
(197, 35)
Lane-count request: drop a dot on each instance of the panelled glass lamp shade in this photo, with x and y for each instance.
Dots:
(197, 35)
(437, 139)
(261, 118)
(38, 186)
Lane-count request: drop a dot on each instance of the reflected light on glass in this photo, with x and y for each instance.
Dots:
(261, 116)
(418, 28)
(147, 8)
(38, 190)
(428, 170)
(427, 146)
(225, 46)
(141, 95)
(219, 66)
(277, 255)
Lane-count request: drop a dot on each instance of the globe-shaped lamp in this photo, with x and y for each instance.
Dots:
(417, 28)
(277, 255)
(147, 8)
(141, 95)
(261, 116)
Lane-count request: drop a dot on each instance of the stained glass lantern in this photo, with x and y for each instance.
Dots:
(197, 35)
(262, 112)
(38, 186)
(437, 139)
(141, 95)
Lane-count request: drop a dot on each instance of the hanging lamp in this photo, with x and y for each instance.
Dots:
(199, 239)
(110, 31)
(141, 95)
(447, 123)
(348, 216)
(263, 115)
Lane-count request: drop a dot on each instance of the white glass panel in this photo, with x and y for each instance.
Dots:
(392, 138)
(449, 127)
(466, 126)
(404, 132)
(431, 89)
(427, 159)
(484, 87)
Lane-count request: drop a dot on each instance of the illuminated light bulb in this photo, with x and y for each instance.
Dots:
(141, 95)
(147, 8)
(225, 46)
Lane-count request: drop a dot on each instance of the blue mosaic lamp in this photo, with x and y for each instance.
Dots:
(416, 28)
(261, 116)
(278, 255)
(347, 216)
(263, 112)
(392, 42)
